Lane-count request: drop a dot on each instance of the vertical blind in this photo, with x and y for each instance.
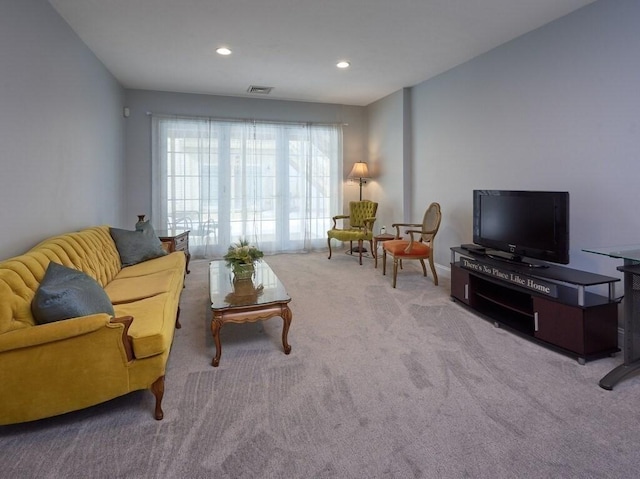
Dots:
(274, 184)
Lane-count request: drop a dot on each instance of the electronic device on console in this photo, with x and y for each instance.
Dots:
(516, 225)
(474, 248)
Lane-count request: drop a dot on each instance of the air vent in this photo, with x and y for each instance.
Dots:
(261, 90)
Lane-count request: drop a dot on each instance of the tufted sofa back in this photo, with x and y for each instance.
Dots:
(91, 251)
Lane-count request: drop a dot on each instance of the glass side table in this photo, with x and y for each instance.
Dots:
(630, 254)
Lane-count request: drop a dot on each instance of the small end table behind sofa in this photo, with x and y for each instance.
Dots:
(176, 240)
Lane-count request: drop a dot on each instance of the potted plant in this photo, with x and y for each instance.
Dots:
(241, 257)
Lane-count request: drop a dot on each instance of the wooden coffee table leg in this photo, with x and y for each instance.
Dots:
(216, 324)
(286, 317)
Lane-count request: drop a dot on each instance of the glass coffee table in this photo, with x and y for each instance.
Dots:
(256, 299)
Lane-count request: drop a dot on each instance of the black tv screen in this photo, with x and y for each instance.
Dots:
(531, 224)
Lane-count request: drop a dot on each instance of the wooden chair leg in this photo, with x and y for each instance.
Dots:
(360, 250)
(329, 243)
(384, 261)
(424, 269)
(395, 271)
(433, 271)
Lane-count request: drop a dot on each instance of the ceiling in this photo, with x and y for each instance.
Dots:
(293, 45)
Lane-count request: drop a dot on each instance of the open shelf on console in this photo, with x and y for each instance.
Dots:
(508, 307)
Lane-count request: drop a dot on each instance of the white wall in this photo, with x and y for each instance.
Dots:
(138, 131)
(556, 109)
(386, 159)
(61, 130)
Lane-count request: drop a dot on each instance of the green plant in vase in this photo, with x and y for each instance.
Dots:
(241, 257)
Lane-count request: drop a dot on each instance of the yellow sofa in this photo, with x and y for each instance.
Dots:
(50, 369)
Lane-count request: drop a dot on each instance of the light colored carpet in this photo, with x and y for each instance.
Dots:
(380, 383)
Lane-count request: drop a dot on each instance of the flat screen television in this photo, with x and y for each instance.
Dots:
(523, 224)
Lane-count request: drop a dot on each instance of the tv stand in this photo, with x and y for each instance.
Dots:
(549, 305)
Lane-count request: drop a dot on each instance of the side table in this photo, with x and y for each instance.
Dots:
(176, 240)
(630, 254)
(380, 238)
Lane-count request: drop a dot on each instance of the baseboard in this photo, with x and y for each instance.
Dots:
(443, 271)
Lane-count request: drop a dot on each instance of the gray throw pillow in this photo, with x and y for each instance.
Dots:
(68, 293)
(137, 246)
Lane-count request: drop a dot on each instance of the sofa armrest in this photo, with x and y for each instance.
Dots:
(57, 331)
(126, 339)
(55, 368)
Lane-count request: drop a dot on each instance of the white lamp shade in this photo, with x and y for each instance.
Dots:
(359, 170)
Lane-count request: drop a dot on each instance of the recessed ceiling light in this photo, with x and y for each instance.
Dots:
(343, 64)
(223, 51)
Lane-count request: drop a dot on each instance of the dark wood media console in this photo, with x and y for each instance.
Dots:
(550, 305)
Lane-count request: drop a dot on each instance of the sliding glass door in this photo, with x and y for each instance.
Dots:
(275, 184)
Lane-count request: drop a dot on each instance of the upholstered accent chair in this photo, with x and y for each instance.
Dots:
(362, 215)
(418, 247)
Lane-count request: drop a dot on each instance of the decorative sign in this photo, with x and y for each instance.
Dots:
(539, 286)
